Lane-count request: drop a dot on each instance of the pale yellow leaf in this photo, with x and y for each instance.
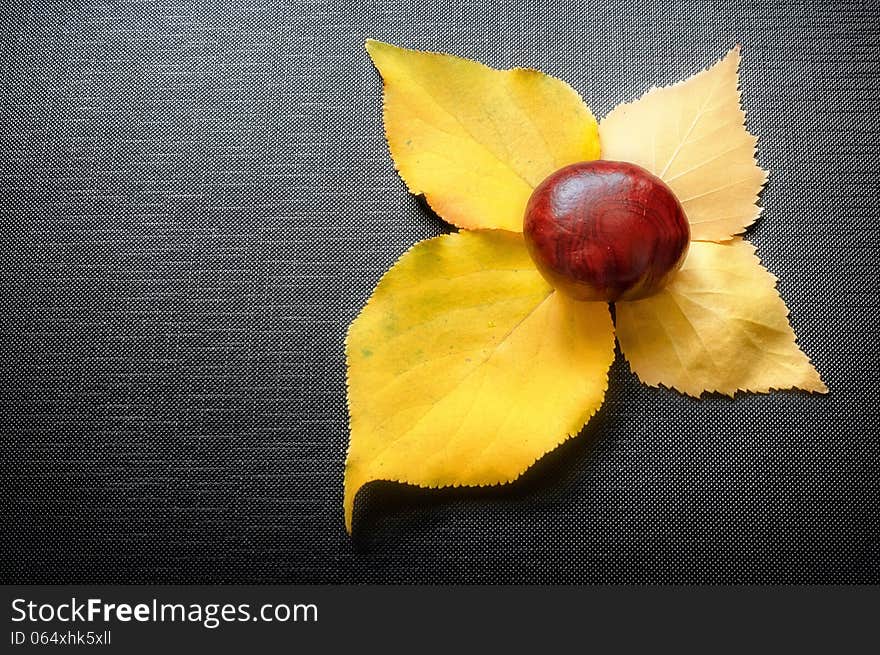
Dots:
(475, 141)
(718, 326)
(692, 135)
(465, 366)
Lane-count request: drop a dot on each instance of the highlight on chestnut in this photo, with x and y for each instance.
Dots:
(606, 230)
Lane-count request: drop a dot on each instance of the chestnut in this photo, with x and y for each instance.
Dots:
(605, 230)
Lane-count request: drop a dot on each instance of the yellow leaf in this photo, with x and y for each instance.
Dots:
(465, 366)
(474, 140)
(718, 326)
(692, 135)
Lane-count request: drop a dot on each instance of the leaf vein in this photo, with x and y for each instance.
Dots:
(391, 443)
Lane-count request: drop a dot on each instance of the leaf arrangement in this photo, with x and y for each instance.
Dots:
(466, 366)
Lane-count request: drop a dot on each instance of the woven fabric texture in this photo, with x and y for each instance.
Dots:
(197, 199)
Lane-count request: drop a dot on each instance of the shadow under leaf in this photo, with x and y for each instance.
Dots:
(445, 228)
(381, 502)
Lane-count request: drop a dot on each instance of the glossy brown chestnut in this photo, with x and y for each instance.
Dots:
(605, 230)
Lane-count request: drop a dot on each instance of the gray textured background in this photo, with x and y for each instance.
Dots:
(197, 200)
